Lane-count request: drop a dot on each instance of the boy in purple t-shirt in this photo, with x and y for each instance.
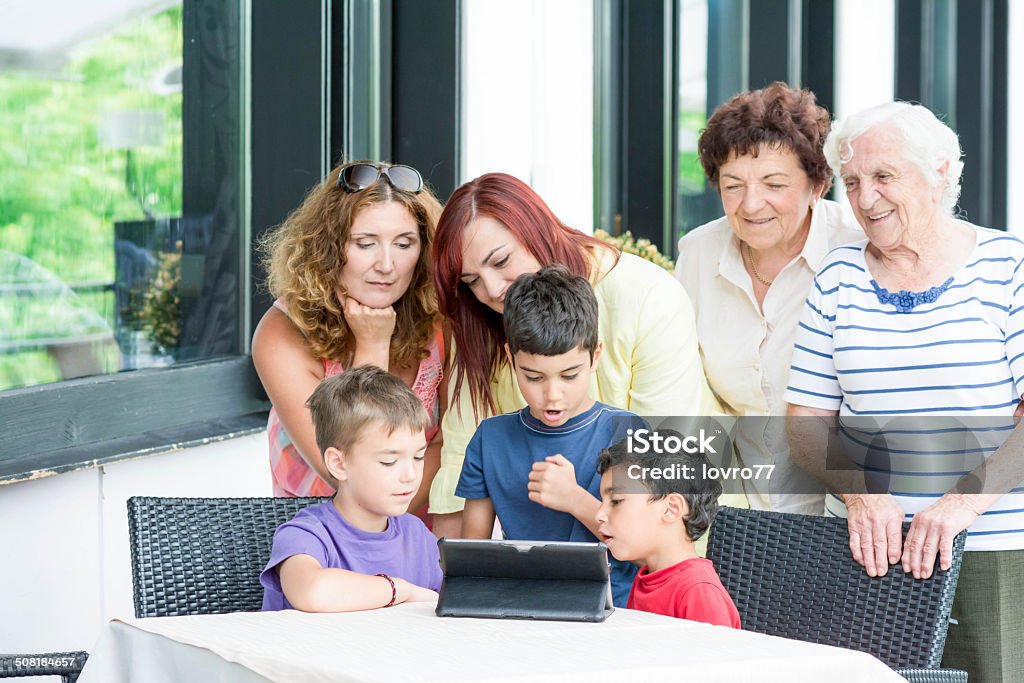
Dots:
(362, 550)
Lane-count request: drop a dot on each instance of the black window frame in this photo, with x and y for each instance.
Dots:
(299, 96)
(952, 57)
(82, 423)
(636, 93)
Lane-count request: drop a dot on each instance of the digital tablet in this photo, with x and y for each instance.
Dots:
(524, 580)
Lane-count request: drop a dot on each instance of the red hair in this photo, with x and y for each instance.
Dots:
(476, 328)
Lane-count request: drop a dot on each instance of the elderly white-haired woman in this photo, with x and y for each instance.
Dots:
(923, 318)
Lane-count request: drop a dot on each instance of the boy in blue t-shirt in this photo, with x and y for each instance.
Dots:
(537, 468)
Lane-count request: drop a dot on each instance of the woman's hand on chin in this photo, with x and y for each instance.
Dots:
(371, 327)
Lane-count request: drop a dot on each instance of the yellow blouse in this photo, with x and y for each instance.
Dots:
(650, 364)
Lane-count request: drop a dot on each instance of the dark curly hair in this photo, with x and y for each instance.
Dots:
(701, 494)
(777, 116)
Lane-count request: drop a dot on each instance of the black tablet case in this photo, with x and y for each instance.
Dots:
(524, 580)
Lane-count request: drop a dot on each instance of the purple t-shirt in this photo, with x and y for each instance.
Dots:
(406, 550)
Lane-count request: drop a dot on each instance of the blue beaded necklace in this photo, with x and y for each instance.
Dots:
(905, 300)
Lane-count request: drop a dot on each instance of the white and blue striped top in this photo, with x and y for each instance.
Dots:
(907, 373)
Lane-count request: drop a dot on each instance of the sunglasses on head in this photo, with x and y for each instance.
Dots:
(358, 177)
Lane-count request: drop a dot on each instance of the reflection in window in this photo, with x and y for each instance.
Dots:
(101, 259)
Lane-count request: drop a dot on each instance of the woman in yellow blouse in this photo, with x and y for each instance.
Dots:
(496, 228)
(748, 272)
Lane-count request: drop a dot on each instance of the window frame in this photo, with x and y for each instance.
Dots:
(965, 86)
(636, 101)
(83, 423)
(286, 149)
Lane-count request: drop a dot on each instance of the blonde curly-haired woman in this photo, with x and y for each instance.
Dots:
(350, 272)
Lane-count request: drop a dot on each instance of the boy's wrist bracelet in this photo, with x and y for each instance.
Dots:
(394, 591)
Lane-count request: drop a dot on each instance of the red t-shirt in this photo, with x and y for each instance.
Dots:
(688, 590)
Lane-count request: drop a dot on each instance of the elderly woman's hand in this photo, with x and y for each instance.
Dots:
(932, 531)
(876, 530)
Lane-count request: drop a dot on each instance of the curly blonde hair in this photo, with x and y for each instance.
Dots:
(305, 255)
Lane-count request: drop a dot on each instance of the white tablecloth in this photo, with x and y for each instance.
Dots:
(409, 643)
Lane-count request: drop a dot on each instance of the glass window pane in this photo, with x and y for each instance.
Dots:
(1015, 130)
(108, 238)
(697, 203)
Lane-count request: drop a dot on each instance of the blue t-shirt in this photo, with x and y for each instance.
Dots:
(500, 457)
(406, 550)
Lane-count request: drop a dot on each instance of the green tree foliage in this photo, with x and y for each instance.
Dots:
(61, 189)
(691, 173)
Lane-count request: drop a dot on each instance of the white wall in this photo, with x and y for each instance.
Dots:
(865, 57)
(865, 54)
(527, 98)
(66, 568)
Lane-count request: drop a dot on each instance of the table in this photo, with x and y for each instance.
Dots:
(409, 643)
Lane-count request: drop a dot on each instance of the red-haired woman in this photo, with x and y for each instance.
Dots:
(496, 228)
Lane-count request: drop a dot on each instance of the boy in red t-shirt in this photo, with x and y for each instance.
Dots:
(653, 520)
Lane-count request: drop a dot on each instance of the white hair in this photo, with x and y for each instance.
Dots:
(928, 143)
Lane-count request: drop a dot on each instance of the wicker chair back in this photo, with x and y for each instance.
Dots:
(203, 555)
(793, 576)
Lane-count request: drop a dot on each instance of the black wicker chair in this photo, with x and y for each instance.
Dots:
(67, 665)
(203, 555)
(793, 576)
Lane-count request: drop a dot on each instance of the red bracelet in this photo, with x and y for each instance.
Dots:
(394, 591)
